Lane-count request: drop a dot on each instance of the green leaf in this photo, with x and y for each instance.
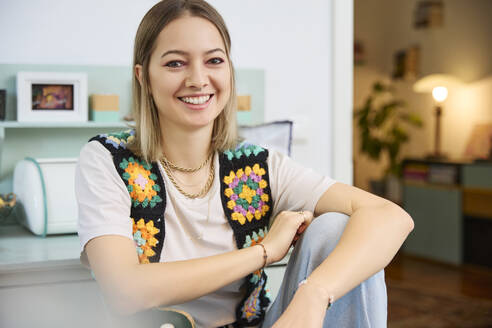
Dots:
(384, 113)
(412, 119)
(378, 87)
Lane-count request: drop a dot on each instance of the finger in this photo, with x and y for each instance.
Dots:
(308, 216)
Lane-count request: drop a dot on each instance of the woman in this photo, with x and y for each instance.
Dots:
(206, 215)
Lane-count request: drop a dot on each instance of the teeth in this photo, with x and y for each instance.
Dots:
(196, 100)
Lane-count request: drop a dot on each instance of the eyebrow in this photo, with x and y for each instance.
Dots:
(184, 53)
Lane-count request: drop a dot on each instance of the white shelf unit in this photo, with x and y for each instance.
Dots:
(48, 128)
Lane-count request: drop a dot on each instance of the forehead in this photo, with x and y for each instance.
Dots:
(189, 34)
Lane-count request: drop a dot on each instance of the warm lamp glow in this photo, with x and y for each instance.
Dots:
(440, 94)
(429, 82)
(438, 84)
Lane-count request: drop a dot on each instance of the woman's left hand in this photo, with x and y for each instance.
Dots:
(307, 309)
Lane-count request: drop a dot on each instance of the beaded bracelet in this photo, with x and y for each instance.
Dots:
(331, 298)
(264, 255)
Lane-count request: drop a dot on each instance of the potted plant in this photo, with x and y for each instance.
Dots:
(383, 123)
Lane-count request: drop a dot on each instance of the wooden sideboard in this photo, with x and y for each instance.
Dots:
(451, 205)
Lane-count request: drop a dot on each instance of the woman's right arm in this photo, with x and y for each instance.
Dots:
(131, 287)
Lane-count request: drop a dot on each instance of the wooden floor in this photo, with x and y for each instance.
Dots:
(467, 280)
(423, 293)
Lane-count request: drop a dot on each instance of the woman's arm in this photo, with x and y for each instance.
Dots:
(375, 231)
(130, 287)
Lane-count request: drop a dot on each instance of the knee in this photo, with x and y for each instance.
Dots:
(325, 231)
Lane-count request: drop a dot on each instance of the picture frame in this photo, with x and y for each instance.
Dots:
(429, 14)
(52, 97)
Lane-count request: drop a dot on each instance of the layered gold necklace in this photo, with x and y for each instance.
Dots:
(169, 166)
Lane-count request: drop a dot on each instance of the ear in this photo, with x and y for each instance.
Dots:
(138, 73)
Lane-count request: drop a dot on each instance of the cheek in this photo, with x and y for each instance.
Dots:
(163, 87)
(224, 83)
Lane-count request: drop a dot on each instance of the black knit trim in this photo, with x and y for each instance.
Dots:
(115, 143)
(233, 161)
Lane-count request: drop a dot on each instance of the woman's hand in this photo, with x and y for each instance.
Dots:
(284, 232)
(307, 309)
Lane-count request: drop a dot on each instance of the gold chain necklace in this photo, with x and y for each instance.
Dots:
(185, 169)
(205, 188)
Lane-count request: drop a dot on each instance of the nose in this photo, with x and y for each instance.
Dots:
(197, 77)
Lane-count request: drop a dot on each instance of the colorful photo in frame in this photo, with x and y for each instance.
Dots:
(50, 96)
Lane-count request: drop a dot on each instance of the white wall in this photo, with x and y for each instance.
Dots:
(291, 42)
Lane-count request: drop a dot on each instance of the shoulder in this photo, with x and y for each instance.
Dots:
(94, 153)
(244, 152)
(117, 141)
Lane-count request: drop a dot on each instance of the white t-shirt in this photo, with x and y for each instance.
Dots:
(194, 228)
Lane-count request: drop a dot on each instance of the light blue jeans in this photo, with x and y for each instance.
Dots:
(364, 306)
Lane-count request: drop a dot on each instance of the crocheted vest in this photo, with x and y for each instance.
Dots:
(245, 193)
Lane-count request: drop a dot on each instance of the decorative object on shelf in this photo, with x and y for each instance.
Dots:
(104, 108)
(479, 145)
(383, 123)
(3, 104)
(429, 14)
(439, 85)
(406, 63)
(244, 103)
(128, 118)
(359, 53)
(7, 204)
(51, 96)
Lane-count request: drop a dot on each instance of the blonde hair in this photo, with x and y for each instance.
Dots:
(148, 139)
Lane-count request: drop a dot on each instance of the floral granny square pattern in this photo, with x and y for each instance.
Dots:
(119, 140)
(141, 183)
(144, 238)
(247, 198)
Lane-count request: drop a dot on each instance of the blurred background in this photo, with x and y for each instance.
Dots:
(422, 133)
(394, 97)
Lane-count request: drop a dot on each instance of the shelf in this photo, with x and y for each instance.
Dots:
(28, 128)
(15, 124)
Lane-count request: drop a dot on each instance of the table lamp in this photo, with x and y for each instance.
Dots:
(439, 85)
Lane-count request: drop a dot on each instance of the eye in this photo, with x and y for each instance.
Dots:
(175, 64)
(216, 61)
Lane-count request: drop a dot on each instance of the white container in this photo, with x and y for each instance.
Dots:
(56, 206)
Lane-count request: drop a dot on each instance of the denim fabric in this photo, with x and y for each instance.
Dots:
(364, 306)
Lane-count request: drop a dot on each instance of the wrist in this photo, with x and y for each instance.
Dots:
(264, 255)
(319, 292)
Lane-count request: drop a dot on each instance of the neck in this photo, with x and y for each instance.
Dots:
(186, 148)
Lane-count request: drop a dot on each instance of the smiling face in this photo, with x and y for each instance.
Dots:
(189, 74)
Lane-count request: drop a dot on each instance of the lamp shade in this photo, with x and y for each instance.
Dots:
(429, 82)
